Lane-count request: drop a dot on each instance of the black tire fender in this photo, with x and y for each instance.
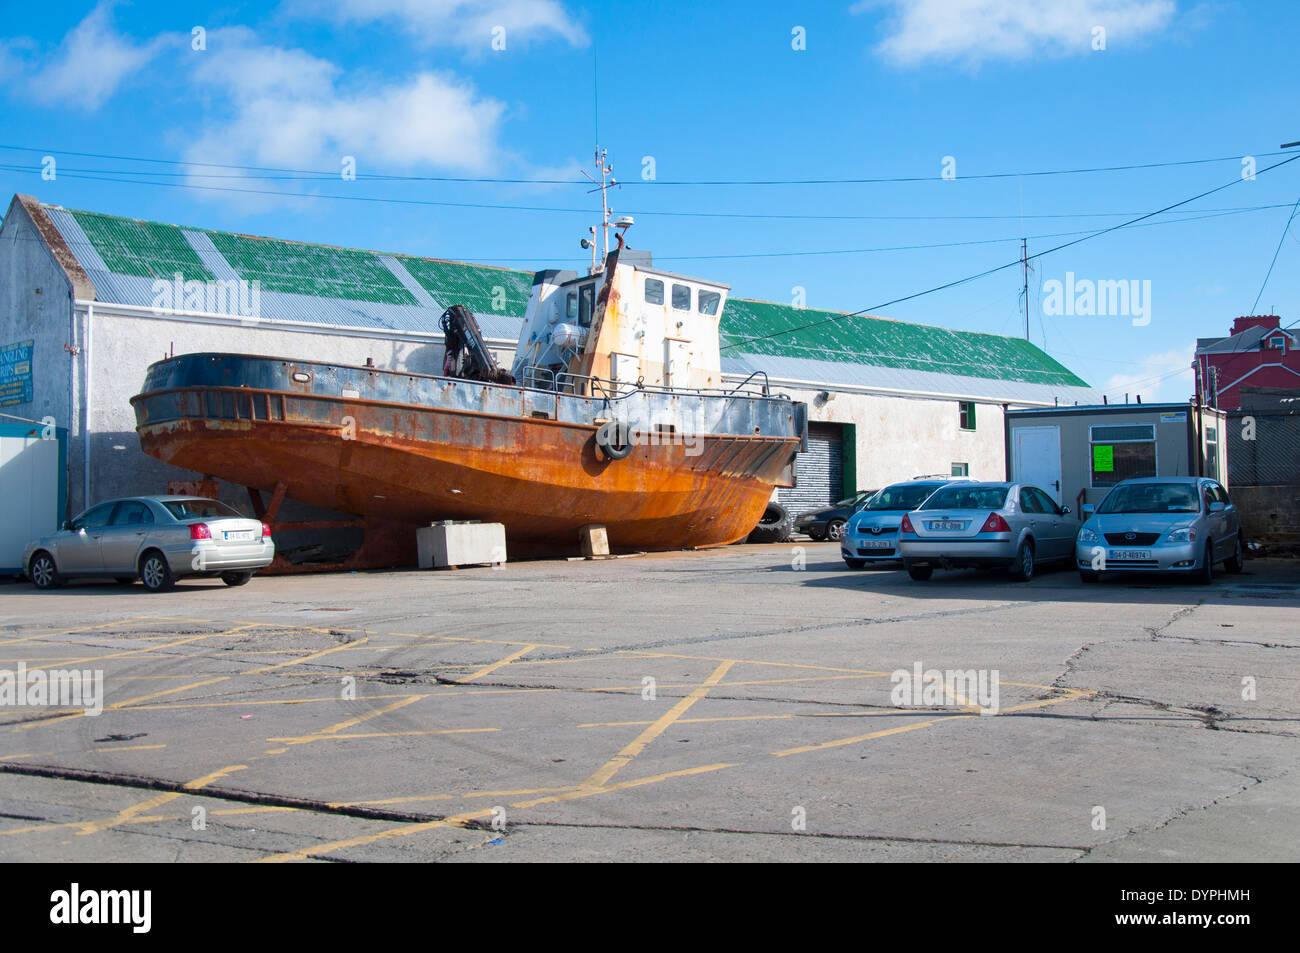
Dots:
(614, 440)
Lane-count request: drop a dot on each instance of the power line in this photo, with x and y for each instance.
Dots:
(1275, 253)
(880, 180)
(961, 281)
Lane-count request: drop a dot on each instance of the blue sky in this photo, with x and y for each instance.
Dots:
(508, 89)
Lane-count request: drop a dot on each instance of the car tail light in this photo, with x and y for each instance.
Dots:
(200, 531)
(266, 531)
(995, 524)
(906, 525)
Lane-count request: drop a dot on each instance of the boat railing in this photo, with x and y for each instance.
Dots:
(609, 391)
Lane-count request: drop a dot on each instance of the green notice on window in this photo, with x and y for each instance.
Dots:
(1103, 458)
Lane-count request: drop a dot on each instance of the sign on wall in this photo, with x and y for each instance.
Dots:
(1103, 458)
(16, 373)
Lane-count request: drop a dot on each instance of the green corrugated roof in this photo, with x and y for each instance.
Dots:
(144, 249)
(319, 271)
(482, 289)
(881, 342)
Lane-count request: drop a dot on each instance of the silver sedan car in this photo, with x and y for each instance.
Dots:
(871, 536)
(156, 539)
(966, 525)
(1162, 524)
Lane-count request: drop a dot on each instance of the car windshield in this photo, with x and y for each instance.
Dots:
(199, 509)
(967, 498)
(1152, 498)
(907, 496)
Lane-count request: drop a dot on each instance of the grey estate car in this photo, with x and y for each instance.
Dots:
(1162, 524)
(156, 539)
(963, 525)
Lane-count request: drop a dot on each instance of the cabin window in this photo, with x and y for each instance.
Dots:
(709, 301)
(682, 297)
(1122, 452)
(571, 309)
(654, 291)
(586, 304)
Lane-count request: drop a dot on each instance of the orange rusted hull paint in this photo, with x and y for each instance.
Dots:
(543, 479)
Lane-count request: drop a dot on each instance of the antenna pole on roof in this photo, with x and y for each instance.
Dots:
(1024, 263)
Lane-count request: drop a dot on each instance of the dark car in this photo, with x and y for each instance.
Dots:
(828, 522)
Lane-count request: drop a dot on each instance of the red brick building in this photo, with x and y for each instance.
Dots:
(1258, 352)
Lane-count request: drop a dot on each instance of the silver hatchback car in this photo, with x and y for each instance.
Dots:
(1162, 524)
(964, 525)
(871, 536)
(156, 539)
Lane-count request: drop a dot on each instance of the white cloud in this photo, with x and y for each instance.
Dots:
(287, 108)
(465, 23)
(93, 60)
(973, 31)
(1166, 376)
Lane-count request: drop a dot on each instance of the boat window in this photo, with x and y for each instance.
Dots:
(682, 297)
(586, 300)
(709, 302)
(571, 309)
(654, 291)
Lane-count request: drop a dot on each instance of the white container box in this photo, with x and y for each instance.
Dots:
(461, 544)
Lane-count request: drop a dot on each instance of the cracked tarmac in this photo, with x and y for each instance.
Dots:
(688, 706)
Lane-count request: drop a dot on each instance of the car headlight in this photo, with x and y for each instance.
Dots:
(1184, 535)
(1087, 536)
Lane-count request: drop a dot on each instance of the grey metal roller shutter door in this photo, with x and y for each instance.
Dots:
(819, 473)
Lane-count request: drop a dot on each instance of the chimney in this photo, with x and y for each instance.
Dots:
(1266, 321)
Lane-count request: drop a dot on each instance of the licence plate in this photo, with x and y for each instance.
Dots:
(1130, 554)
(876, 544)
(242, 535)
(948, 525)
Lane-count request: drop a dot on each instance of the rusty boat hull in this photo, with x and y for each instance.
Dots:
(416, 449)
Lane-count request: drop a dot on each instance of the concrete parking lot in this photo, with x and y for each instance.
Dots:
(733, 704)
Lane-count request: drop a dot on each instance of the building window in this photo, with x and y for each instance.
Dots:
(1212, 452)
(961, 469)
(654, 291)
(967, 414)
(682, 297)
(1277, 343)
(1123, 452)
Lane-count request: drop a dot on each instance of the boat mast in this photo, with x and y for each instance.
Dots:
(607, 181)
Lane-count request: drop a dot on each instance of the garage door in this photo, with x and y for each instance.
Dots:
(819, 473)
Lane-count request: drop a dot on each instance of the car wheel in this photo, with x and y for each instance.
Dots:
(236, 578)
(920, 573)
(1205, 573)
(1022, 570)
(155, 573)
(816, 536)
(855, 563)
(835, 530)
(1088, 575)
(1238, 560)
(42, 571)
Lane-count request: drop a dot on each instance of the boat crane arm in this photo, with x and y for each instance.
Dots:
(467, 355)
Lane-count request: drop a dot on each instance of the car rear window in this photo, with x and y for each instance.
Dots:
(967, 498)
(200, 509)
(1152, 498)
(905, 497)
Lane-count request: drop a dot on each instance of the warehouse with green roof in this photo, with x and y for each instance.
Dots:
(93, 299)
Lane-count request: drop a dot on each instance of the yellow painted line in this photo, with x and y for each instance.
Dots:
(15, 757)
(307, 852)
(602, 775)
(126, 815)
(446, 797)
(307, 739)
(359, 719)
(124, 748)
(867, 737)
(584, 792)
(783, 717)
(489, 669)
(452, 638)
